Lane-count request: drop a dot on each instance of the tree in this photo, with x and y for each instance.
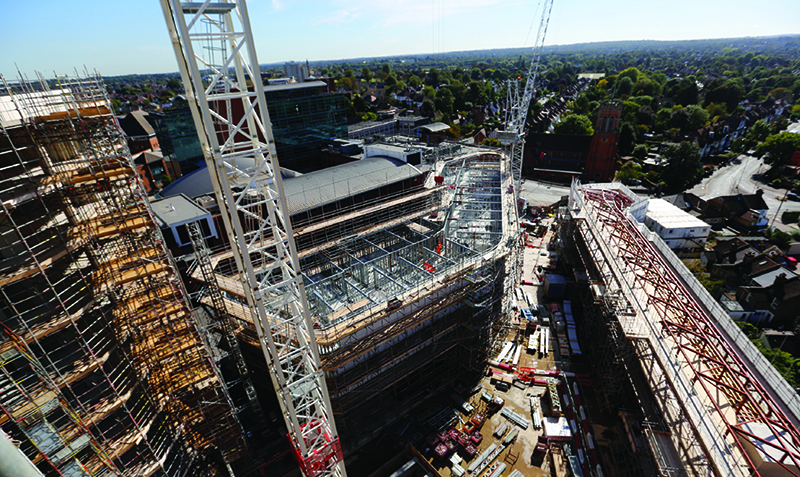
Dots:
(777, 149)
(429, 92)
(632, 73)
(366, 74)
(640, 151)
(444, 101)
(476, 74)
(574, 124)
(728, 91)
(428, 108)
(174, 83)
(682, 166)
(758, 132)
(629, 173)
(780, 238)
(490, 141)
(414, 81)
(624, 87)
(716, 109)
(627, 138)
(432, 78)
(359, 104)
(698, 117)
(116, 106)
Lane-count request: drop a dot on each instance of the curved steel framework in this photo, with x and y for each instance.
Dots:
(216, 55)
(714, 366)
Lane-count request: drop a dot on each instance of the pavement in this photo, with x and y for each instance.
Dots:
(743, 175)
(542, 193)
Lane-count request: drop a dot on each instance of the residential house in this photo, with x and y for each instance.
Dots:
(139, 132)
(779, 302)
(743, 212)
(154, 170)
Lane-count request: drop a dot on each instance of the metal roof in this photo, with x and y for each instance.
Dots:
(768, 278)
(308, 191)
(283, 87)
(177, 210)
(435, 127)
(322, 187)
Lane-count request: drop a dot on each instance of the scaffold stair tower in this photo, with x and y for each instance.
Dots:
(216, 55)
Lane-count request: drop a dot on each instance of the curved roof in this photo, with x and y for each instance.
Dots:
(435, 127)
(322, 187)
(315, 189)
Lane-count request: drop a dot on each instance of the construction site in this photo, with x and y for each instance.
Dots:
(102, 368)
(402, 314)
(402, 289)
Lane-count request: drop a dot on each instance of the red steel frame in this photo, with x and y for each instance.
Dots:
(714, 363)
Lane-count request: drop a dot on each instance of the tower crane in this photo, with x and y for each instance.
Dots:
(214, 46)
(518, 104)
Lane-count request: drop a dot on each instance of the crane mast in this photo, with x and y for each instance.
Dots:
(513, 138)
(216, 55)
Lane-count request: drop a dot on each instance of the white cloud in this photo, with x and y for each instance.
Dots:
(338, 17)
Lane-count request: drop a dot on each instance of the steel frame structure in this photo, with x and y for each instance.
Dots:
(513, 138)
(216, 55)
(676, 316)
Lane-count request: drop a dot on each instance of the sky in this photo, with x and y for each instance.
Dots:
(117, 38)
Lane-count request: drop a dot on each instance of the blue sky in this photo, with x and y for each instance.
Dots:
(130, 37)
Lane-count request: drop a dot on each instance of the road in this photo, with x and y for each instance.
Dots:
(542, 193)
(741, 176)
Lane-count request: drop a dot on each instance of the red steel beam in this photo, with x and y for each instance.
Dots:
(710, 357)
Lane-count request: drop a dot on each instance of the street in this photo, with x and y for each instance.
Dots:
(741, 176)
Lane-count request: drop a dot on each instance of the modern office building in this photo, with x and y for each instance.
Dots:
(304, 121)
(177, 137)
(298, 71)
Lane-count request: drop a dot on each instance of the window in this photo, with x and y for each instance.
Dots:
(774, 303)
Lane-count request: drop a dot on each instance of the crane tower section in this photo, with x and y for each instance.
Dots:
(217, 60)
(519, 102)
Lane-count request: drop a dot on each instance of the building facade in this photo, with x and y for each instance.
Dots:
(562, 157)
(304, 121)
(177, 137)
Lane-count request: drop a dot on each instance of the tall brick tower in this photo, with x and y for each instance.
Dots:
(603, 151)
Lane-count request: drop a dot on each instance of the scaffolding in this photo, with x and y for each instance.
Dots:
(402, 289)
(722, 412)
(102, 370)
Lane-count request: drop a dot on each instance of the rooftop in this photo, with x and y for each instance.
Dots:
(435, 127)
(177, 210)
(322, 187)
(768, 278)
(289, 86)
(671, 217)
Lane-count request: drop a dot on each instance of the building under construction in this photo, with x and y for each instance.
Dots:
(404, 269)
(102, 368)
(695, 396)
